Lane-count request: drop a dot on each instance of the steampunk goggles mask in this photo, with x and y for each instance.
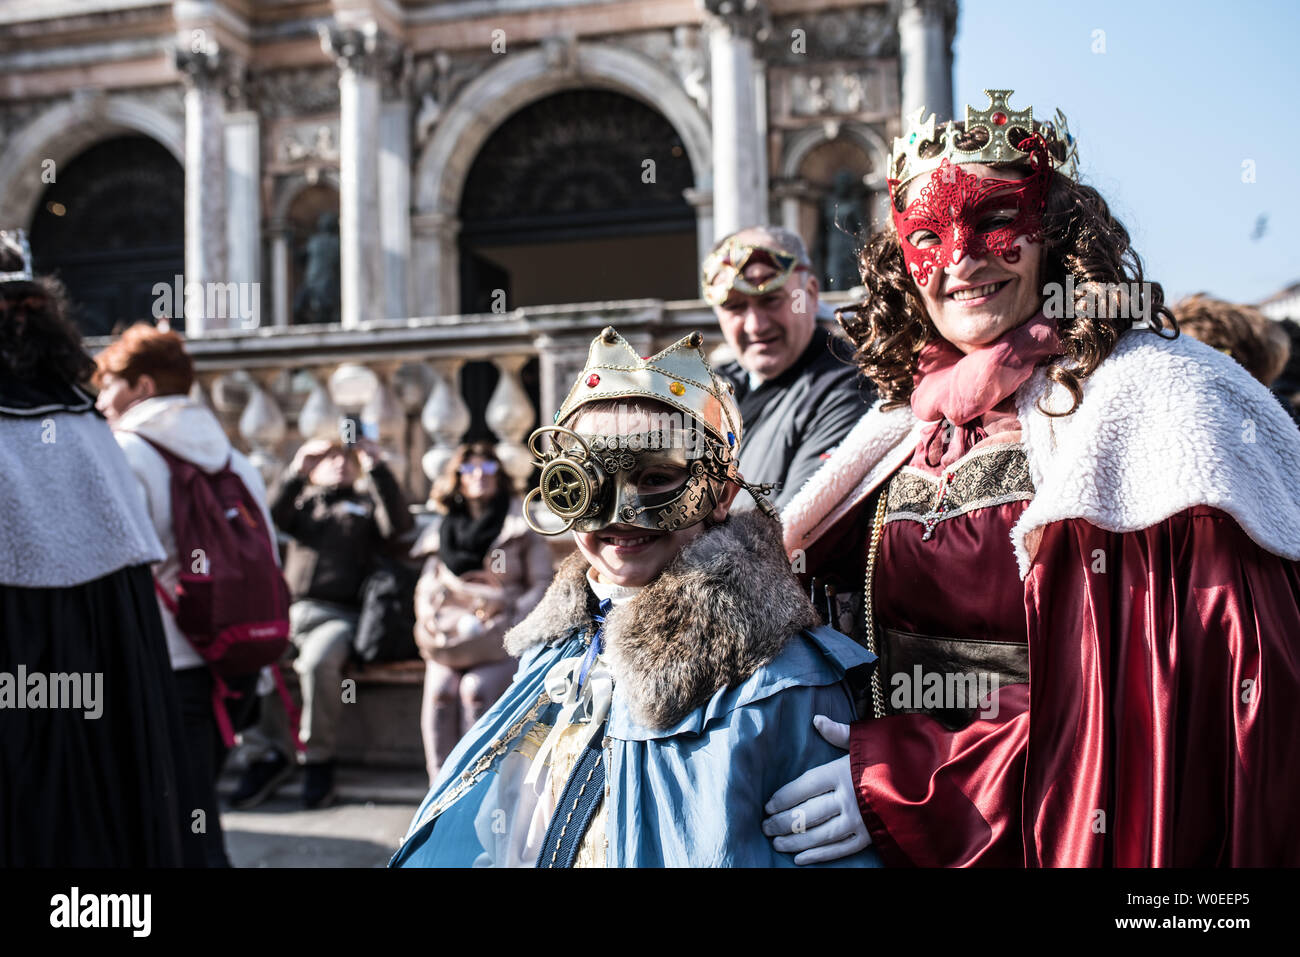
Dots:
(724, 268)
(659, 480)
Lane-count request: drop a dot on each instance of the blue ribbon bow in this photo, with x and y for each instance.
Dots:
(597, 641)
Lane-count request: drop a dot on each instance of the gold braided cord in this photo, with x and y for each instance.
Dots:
(868, 609)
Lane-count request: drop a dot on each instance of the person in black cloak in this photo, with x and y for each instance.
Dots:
(89, 727)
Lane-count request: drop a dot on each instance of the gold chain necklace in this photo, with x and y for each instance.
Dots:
(877, 527)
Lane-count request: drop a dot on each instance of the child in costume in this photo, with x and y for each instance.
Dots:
(669, 675)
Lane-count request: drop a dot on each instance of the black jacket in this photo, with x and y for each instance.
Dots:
(336, 533)
(791, 421)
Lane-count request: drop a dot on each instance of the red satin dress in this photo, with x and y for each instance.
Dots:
(1160, 722)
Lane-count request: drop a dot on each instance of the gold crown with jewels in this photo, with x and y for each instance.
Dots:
(906, 162)
(679, 376)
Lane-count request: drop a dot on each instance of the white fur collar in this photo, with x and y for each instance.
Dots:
(1164, 425)
(869, 454)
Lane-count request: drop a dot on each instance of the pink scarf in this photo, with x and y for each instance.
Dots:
(953, 387)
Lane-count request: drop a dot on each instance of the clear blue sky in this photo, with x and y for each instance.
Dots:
(1184, 93)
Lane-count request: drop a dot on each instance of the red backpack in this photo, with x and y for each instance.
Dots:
(230, 600)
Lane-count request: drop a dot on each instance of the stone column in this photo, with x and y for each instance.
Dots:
(925, 32)
(739, 155)
(795, 196)
(760, 140)
(281, 272)
(702, 201)
(359, 54)
(436, 283)
(202, 66)
(395, 193)
(243, 197)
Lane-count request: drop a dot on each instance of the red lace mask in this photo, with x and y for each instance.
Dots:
(979, 215)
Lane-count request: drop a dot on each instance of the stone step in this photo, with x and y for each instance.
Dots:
(356, 784)
(381, 727)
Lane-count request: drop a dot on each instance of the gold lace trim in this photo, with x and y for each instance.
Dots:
(984, 478)
(499, 746)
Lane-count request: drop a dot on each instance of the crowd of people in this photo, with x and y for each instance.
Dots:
(1010, 584)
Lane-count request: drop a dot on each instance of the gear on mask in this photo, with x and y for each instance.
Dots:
(660, 480)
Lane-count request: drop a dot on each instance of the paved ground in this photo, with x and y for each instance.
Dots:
(362, 830)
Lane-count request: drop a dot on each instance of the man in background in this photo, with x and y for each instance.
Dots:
(798, 391)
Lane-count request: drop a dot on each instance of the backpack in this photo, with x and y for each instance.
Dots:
(386, 628)
(231, 600)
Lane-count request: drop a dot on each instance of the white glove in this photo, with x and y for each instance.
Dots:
(816, 816)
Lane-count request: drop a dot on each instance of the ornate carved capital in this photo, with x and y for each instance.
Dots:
(201, 61)
(364, 50)
(938, 11)
(744, 19)
(204, 65)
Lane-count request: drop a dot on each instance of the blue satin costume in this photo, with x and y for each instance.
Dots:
(689, 795)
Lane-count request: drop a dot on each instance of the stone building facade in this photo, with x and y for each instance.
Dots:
(375, 197)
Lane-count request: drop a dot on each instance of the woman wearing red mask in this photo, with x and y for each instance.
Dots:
(1078, 536)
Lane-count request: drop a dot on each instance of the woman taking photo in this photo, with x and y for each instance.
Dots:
(484, 570)
(1077, 533)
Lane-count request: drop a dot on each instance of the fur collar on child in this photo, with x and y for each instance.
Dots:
(721, 610)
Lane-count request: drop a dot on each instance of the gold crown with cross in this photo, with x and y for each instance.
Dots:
(996, 146)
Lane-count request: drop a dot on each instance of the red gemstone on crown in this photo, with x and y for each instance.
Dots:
(593, 380)
(999, 119)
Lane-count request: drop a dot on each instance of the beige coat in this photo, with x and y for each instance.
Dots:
(518, 557)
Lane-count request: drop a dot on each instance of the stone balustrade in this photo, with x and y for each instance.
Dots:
(275, 387)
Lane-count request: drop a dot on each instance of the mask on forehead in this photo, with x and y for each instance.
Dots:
(971, 215)
(661, 480)
(724, 269)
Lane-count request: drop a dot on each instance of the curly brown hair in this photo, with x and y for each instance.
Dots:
(1081, 238)
(1243, 332)
(37, 338)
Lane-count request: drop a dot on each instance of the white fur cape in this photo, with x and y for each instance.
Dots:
(72, 510)
(1164, 425)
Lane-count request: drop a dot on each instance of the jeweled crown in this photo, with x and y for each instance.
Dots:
(998, 120)
(679, 376)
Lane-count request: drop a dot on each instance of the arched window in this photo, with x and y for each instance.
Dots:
(578, 197)
(112, 227)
